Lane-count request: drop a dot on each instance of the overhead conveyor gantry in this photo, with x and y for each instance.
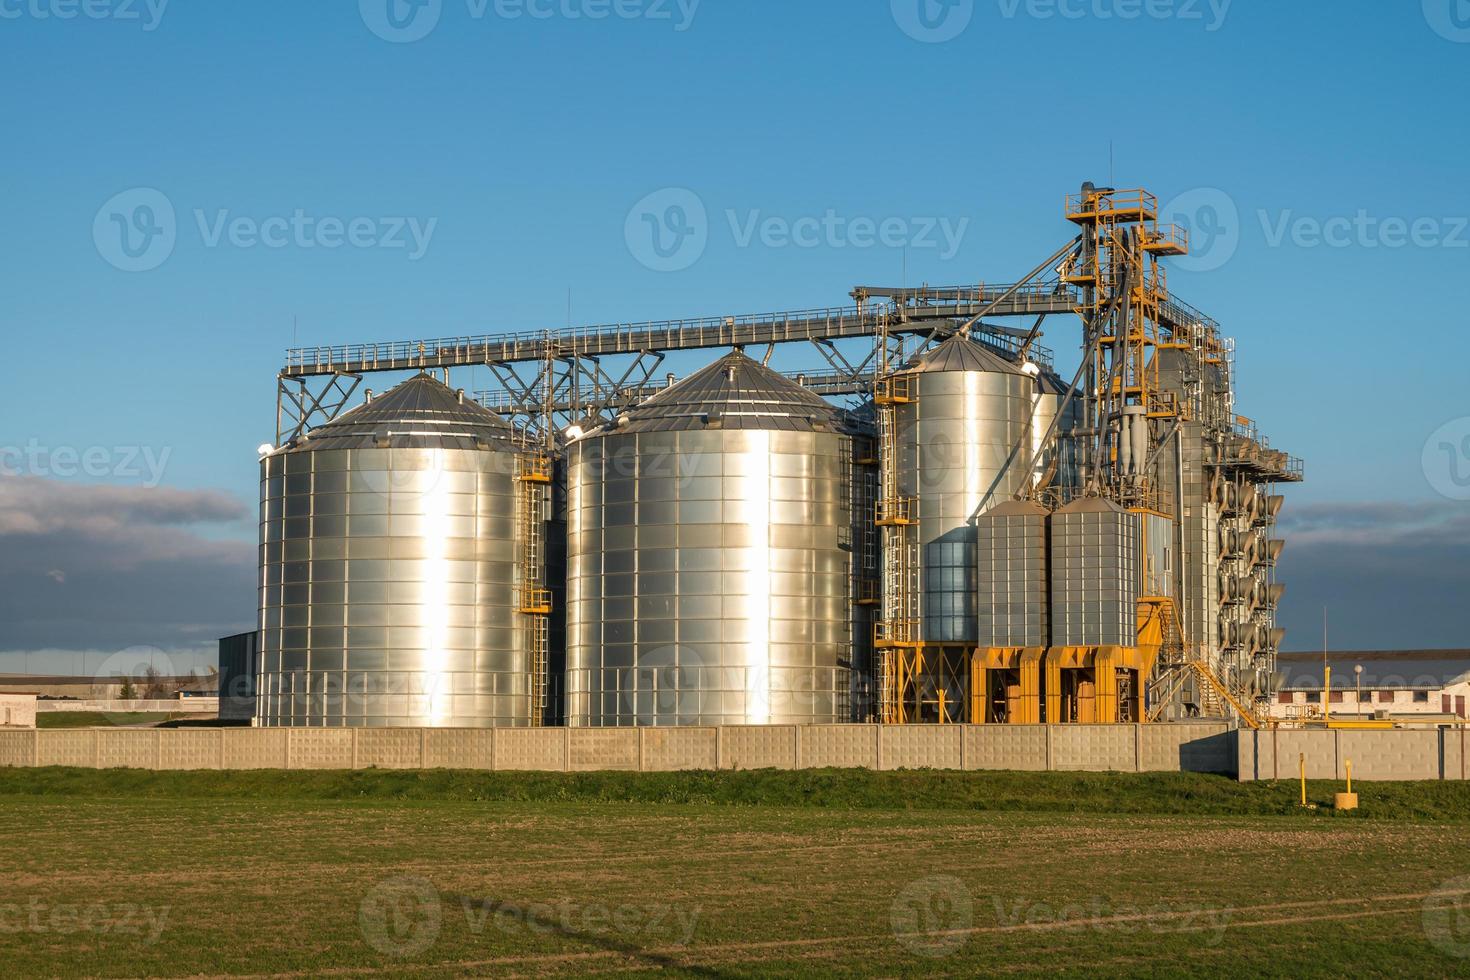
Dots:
(569, 377)
(549, 379)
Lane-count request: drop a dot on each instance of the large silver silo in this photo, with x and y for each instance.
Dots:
(389, 556)
(965, 443)
(710, 557)
(1052, 447)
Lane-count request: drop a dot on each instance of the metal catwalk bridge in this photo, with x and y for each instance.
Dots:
(909, 312)
(570, 380)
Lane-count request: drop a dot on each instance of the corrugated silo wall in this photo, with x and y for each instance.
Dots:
(963, 445)
(1198, 598)
(709, 578)
(1095, 557)
(1011, 549)
(345, 533)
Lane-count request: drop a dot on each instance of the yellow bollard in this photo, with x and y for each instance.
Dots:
(1302, 762)
(1348, 800)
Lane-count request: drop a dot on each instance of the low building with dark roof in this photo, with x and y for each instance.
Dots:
(1419, 685)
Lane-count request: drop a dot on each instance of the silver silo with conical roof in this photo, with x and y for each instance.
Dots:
(710, 557)
(965, 442)
(1052, 447)
(389, 550)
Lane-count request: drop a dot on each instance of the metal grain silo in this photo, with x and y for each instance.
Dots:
(710, 537)
(964, 442)
(1097, 552)
(1054, 452)
(390, 544)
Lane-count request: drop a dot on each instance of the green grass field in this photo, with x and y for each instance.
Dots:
(125, 873)
(102, 719)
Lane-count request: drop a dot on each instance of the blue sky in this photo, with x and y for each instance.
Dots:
(518, 145)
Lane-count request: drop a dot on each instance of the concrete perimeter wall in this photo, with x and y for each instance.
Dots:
(1398, 754)
(1205, 747)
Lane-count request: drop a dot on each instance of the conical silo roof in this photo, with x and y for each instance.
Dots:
(734, 392)
(420, 413)
(1048, 382)
(961, 354)
(1092, 505)
(1017, 508)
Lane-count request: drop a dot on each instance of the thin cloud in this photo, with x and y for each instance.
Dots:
(1383, 523)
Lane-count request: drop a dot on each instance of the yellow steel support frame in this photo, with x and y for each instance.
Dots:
(1026, 662)
(1104, 662)
(1122, 243)
(1032, 692)
(533, 474)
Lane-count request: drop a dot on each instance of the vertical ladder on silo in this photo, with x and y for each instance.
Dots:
(533, 474)
(895, 635)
